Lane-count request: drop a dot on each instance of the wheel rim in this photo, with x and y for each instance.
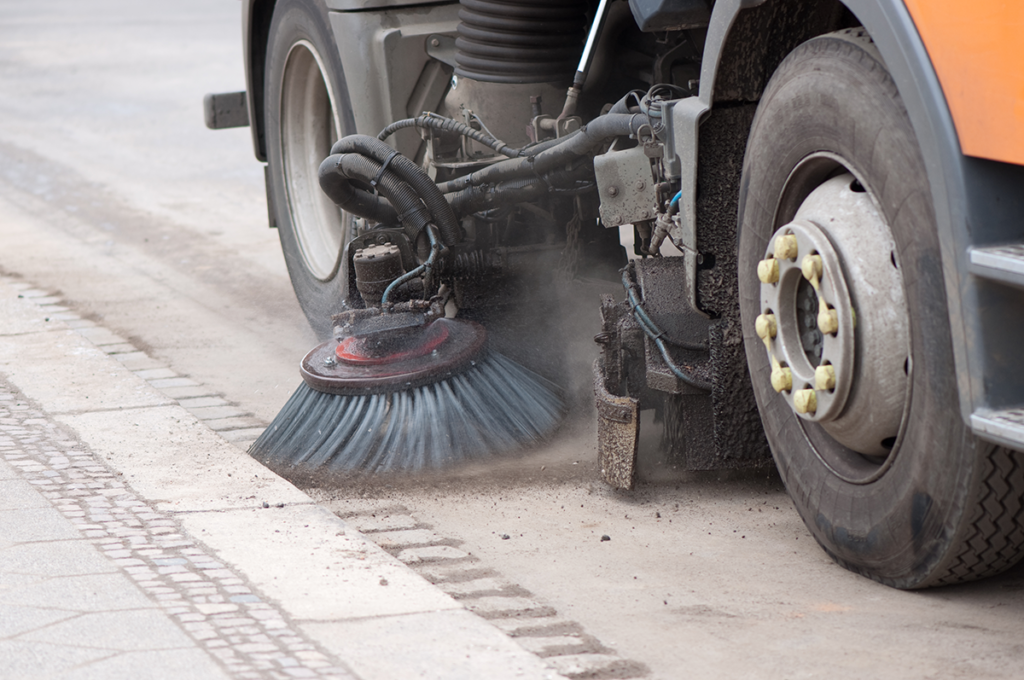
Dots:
(834, 319)
(309, 127)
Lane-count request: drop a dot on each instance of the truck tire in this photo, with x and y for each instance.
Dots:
(883, 469)
(307, 110)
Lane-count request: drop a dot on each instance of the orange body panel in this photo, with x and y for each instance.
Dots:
(977, 49)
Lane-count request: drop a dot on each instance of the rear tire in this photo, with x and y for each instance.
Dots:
(942, 506)
(307, 110)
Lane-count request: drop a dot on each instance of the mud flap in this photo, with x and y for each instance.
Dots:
(618, 432)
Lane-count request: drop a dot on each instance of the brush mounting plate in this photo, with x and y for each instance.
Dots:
(459, 351)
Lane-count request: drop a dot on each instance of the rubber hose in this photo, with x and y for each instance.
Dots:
(406, 206)
(453, 126)
(571, 148)
(444, 217)
(356, 201)
(477, 198)
(529, 150)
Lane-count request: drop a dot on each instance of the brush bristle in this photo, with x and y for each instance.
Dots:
(495, 406)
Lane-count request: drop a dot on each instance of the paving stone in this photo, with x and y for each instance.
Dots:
(451, 572)
(566, 645)
(212, 413)
(124, 631)
(495, 607)
(235, 423)
(203, 402)
(16, 619)
(155, 373)
(100, 336)
(406, 539)
(477, 587)
(246, 435)
(542, 626)
(186, 391)
(162, 383)
(436, 553)
(382, 522)
(119, 348)
(596, 665)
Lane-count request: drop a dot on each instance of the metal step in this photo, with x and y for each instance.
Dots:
(1001, 263)
(1004, 427)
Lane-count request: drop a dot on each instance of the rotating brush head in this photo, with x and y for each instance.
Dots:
(393, 392)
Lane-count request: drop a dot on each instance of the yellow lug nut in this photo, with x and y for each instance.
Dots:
(765, 326)
(786, 247)
(768, 270)
(805, 401)
(828, 321)
(825, 377)
(811, 267)
(782, 379)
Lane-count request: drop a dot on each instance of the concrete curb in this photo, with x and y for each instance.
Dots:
(343, 591)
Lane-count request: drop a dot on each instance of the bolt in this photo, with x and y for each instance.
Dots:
(786, 247)
(828, 321)
(330, 361)
(825, 377)
(645, 213)
(765, 326)
(613, 191)
(768, 270)
(434, 42)
(805, 401)
(782, 379)
(811, 267)
(617, 219)
(640, 185)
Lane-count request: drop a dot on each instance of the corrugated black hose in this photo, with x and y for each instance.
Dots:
(371, 147)
(402, 204)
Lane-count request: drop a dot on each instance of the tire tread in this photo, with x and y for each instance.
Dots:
(994, 537)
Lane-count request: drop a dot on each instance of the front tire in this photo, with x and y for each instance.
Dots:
(307, 110)
(920, 501)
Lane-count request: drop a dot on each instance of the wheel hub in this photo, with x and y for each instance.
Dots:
(834, 319)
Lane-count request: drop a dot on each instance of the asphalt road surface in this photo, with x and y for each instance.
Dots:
(114, 195)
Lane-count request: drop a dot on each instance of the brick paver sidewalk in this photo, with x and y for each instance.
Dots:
(95, 583)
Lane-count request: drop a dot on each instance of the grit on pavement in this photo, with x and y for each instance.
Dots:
(137, 543)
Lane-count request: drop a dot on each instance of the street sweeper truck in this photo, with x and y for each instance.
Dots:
(823, 203)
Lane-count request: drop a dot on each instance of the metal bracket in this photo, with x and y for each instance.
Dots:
(442, 48)
(626, 184)
(684, 118)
